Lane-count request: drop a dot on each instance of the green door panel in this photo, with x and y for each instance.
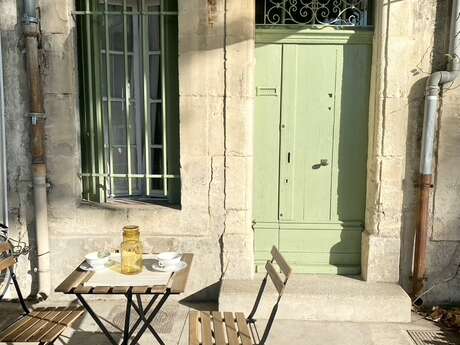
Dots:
(308, 115)
(265, 236)
(323, 241)
(350, 134)
(310, 150)
(266, 136)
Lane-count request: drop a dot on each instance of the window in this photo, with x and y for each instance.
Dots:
(128, 62)
(313, 12)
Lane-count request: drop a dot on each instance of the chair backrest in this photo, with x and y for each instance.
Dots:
(7, 262)
(280, 284)
(272, 272)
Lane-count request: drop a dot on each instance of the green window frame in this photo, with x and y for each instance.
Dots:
(128, 66)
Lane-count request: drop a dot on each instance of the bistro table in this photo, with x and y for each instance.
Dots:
(75, 284)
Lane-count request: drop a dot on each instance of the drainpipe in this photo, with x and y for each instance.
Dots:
(37, 115)
(433, 88)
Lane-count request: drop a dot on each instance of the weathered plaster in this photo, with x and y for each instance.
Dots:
(216, 61)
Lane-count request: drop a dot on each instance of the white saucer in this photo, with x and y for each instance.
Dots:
(87, 267)
(171, 268)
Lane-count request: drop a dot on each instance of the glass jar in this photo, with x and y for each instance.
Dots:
(131, 250)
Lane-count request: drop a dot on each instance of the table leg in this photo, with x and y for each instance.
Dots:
(150, 319)
(96, 319)
(129, 296)
(139, 319)
(138, 308)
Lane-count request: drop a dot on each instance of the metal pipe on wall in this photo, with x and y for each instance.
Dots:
(433, 88)
(37, 115)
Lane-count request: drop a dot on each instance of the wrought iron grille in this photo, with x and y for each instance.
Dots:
(129, 98)
(313, 12)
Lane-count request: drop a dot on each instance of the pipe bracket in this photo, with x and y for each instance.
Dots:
(36, 116)
(26, 20)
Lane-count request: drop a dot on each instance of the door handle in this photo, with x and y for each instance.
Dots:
(322, 163)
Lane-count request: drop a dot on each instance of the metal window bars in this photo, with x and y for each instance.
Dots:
(314, 12)
(129, 98)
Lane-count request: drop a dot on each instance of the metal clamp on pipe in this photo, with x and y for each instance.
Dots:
(27, 20)
(35, 116)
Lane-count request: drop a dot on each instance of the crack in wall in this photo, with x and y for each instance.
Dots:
(224, 122)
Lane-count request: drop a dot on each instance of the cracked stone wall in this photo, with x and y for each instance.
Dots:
(216, 60)
(411, 41)
(216, 106)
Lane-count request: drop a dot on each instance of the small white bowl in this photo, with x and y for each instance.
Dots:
(168, 258)
(97, 259)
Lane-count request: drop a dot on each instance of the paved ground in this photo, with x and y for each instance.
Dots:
(172, 326)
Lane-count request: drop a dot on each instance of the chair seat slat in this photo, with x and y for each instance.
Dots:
(194, 326)
(209, 328)
(218, 323)
(206, 332)
(66, 322)
(19, 327)
(231, 329)
(45, 318)
(56, 321)
(243, 329)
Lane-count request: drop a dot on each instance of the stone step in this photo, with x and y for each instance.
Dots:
(321, 298)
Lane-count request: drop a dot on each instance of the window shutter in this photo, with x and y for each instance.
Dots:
(3, 181)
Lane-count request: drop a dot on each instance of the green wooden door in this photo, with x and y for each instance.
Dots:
(310, 153)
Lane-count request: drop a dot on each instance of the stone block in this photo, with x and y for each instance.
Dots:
(201, 16)
(59, 72)
(393, 170)
(399, 65)
(401, 17)
(320, 298)
(195, 179)
(446, 222)
(239, 126)
(54, 16)
(240, 67)
(380, 258)
(201, 65)
(238, 256)
(62, 125)
(238, 222)
(395, 127)
(194, 125)
(240, 20)
(8, 15)
(237, 182)
(216, 195)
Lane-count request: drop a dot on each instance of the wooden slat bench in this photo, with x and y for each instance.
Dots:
(217, 328)
(42, 325)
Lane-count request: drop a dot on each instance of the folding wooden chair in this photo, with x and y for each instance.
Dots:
(222, 328)
(43, 325)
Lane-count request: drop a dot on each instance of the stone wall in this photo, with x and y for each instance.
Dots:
(216, 106)
(411, 41)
